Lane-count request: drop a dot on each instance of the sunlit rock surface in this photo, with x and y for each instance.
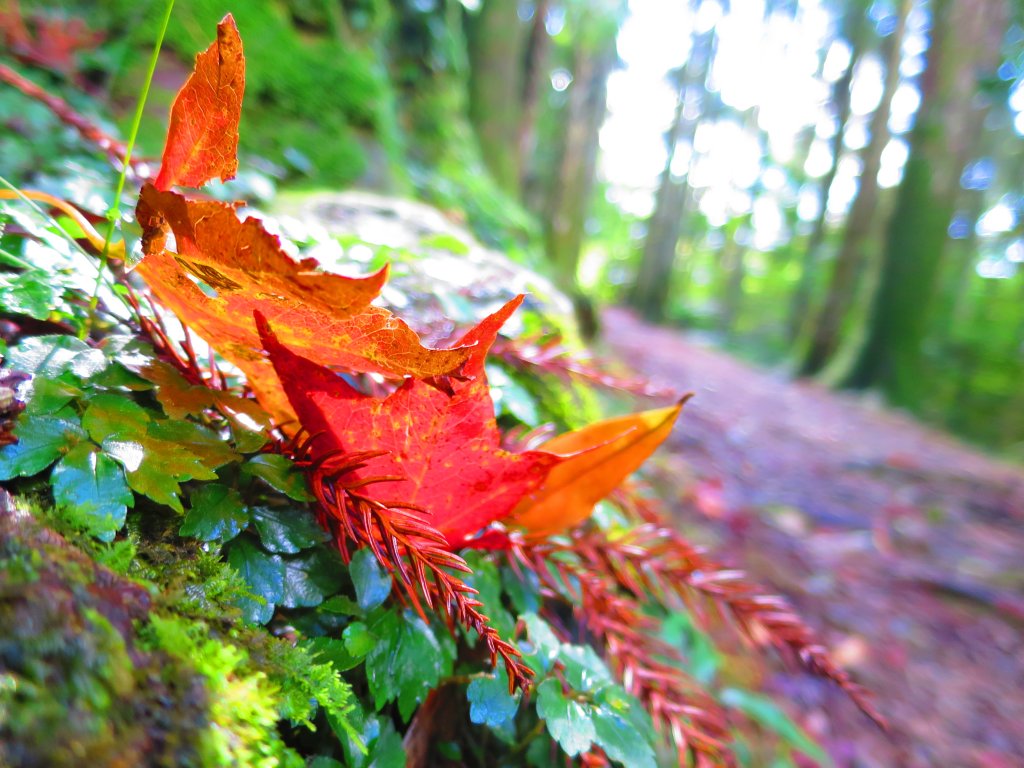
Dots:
(440, 274)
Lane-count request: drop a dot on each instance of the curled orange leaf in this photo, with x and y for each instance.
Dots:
(202, 136)
(596, 459)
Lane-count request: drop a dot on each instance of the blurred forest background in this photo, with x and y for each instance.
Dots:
(828, 186)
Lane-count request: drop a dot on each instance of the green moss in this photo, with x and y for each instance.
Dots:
(243, 703)
(307, 91)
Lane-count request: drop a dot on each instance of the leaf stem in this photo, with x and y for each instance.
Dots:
(115, 210)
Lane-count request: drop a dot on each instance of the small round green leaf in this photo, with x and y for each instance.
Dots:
(309, 578)
(489, 700)
(263, 573)
(117, 416)
(91, 491)
(41, 441)
(217, 512)
(287, 530)
(621, 741)
(279, 473)
(568, 721)
(371, 581)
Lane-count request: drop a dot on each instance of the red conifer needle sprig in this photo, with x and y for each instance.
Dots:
(552, 357)
(181, 354)
(653, 558)
(405, 544)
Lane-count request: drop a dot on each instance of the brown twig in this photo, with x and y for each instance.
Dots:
(67, 114)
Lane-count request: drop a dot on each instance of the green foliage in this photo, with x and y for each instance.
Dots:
(406, 662)
(490, 702)
(216, 513)
(583, 706)
(286, 529)
(372, 583)
(35, 143)
(317, 107)
(91, 488)
(767, 713)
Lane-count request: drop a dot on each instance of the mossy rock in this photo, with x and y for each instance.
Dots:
(76, 685)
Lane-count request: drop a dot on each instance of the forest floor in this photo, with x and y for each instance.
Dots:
(903, 547)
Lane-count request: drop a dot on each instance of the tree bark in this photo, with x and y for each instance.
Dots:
(650, 292)
(496, 46)
(965, 45)
(535, 74)
(734, 272)
(570, 195)
(854, 27)
(849, 263)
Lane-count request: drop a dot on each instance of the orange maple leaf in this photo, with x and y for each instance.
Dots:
(223, 270)
(220, 270)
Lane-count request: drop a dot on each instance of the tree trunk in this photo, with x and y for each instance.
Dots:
(535, 77)
(854, 28)
(849, 263)
(965, 45)
(570, 195)
(496, 41)
(734, 271)
(651, 289)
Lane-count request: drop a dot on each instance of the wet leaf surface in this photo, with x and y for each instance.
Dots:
(91, 489)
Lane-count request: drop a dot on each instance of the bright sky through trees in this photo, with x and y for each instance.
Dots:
(774, 64)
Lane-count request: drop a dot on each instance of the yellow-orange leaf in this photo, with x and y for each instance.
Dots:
(598, 458)
(202, 137)
(222, 269)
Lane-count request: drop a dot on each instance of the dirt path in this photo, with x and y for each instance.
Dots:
(902, 546)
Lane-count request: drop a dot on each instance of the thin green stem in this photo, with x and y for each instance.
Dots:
(115, 210)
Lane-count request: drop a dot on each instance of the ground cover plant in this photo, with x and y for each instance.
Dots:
(306, 529)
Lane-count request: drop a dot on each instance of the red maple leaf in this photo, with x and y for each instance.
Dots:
(444, 449)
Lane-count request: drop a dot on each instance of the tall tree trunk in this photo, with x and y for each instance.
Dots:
(965, 44)
(535, 77)
(650, 292)
(570, 195)
(849, 263)
(496, 45)
(731, 261)
(854, 29)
